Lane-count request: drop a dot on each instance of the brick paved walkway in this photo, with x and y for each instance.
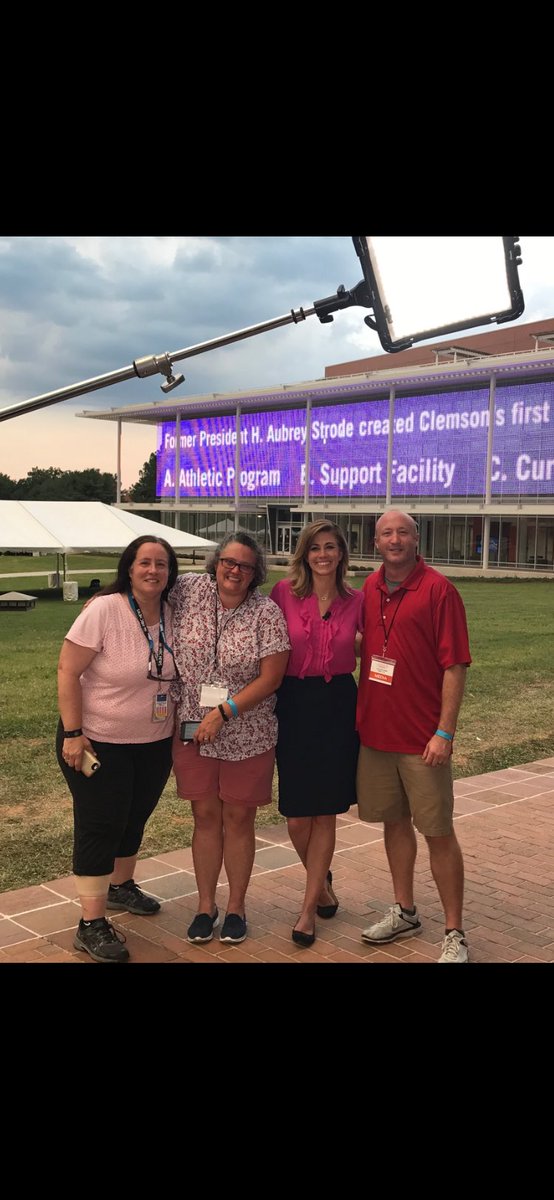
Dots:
(505, 824)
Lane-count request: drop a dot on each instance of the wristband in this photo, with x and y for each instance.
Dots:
(442, 733)
(223, 713)
(72, 733)
(232, 706)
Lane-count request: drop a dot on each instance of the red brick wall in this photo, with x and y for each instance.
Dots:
(501, 340)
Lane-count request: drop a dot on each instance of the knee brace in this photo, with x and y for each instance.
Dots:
(92, 887)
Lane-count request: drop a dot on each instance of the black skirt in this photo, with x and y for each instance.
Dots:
(317, 746)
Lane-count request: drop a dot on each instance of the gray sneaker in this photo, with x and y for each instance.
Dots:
(101, 941)
(395, 924)
(128, 897)
(454, 948)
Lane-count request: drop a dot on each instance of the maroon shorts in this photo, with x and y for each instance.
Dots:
(247, 782)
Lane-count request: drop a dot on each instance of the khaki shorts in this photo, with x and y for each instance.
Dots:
(391, 786)
(248, 782)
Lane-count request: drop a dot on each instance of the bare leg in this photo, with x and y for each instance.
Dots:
(239, 845)
(447, 869)
(317, 840)
(124, 869)
(300, 832)
(300, 829)
(401, 849)
(207, 850)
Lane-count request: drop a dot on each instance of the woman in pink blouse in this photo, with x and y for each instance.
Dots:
(317, 747)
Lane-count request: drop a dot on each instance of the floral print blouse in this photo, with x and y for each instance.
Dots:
(213, 644)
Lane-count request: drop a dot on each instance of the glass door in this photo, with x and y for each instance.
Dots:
(283, 539)
(287, 537)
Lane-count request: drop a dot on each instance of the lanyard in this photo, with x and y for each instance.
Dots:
(158, 655)
(386, 635)
(219, 630)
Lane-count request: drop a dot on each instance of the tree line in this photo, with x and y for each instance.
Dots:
(51, 483)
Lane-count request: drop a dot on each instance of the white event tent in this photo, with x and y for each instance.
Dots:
(63, 526)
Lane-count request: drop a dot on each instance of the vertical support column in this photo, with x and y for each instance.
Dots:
(237, 468)
(269, 538)
(177, 490)
(536, 543)
(118, 468)
(488, 474)
(486, 540)
(307, 457)
(388, 496)
(490, 440)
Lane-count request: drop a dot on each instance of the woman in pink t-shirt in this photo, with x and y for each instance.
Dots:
(317, 746)
(114, 676)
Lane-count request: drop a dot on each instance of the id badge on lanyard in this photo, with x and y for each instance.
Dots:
(382, 670)
(214, 691)
(212, 694)
(160, 707)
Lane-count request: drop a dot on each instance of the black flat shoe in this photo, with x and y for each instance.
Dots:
(328, 910)
(303, 939)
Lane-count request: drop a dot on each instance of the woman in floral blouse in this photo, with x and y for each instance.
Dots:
(231, 649)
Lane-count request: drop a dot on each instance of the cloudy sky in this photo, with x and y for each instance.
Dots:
(72, 308)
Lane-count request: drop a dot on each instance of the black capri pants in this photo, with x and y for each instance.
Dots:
(111, 808)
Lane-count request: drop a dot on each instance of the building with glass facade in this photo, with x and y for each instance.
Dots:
(459, 435)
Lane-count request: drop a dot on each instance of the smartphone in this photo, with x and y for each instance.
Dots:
(188, 730)
(89, 763)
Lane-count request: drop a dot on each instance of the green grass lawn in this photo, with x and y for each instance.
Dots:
(33, 563)
(507, 716)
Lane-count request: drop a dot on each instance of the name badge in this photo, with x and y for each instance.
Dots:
(212, 694)
(160, 707)
(382, 670)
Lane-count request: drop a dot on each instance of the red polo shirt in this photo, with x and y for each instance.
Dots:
(427, 632)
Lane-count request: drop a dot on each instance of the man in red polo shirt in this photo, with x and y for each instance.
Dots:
(415, 652)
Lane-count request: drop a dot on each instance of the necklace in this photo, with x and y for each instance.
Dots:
(325, 596)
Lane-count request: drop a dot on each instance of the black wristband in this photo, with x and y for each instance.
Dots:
(72, 733)
(223, 713)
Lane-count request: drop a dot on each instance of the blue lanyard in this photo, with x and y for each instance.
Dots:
(162, 644)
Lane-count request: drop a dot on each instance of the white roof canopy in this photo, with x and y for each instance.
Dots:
(75, 525)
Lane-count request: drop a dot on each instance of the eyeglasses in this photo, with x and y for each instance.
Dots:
(244, 568)
(153, 674)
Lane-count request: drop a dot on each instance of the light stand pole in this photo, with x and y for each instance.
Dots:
(162, 364)
(384, 289)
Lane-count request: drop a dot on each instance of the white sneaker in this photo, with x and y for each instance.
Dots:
(395, 924)
(454, 948)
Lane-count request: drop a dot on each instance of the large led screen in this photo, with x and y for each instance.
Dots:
(439, 448)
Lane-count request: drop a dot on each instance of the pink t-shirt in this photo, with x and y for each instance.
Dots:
(215, 644)
(118, 698)
(320, 647)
